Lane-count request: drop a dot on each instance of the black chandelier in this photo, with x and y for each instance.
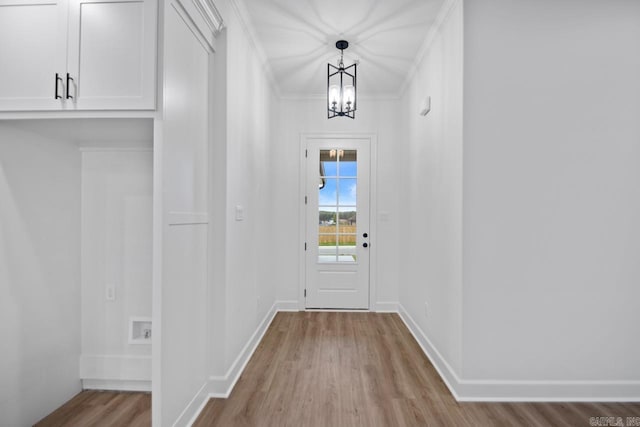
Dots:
(341, 87)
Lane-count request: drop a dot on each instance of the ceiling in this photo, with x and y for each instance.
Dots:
(298, 39)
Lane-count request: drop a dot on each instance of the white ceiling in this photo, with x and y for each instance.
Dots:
(298, 39)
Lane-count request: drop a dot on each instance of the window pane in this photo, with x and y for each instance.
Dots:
(327, 239)
(346, 220)
(337, 198)
(327, 217)
(347, 254)
(347, 190)
(328, 195)
(347, 239)
(348, 164)
(328, 163)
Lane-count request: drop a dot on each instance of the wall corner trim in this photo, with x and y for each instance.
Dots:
(442, 16)
(246, 23)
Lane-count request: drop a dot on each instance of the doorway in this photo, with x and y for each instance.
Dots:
(337, 234)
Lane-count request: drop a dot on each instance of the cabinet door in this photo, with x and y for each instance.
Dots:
(112, 54)
(32, 50)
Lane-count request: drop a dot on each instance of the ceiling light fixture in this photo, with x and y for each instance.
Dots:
(341, 87)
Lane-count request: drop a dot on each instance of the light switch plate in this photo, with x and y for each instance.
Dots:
(239, 213)
(110, 292)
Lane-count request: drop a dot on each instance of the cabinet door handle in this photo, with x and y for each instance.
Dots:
(58, 78)
(69, 79)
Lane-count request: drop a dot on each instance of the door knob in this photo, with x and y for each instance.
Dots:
(365, 244)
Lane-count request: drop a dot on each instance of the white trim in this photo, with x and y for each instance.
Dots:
(386, 307)
(116, 385)
(221, 386)
(445, 370)
(156, 294)
(79, 114)
(373, 208)
(190, 15)
(109, 145)
(441, 18)
(210, 14)
(520, 390)
(192, 411)
(115, 367)
(379, 307)
(287, 305)
(187, 218)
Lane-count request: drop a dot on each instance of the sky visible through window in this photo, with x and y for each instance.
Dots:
(327, 198)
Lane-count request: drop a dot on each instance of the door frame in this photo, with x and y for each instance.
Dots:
(373, 209)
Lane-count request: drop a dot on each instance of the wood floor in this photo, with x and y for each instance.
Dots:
(338, 369)
(102, 408)
(365, 369)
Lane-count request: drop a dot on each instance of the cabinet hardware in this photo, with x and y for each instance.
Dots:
(58, 78)
(69, 78)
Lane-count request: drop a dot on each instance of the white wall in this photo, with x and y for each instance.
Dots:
(39, 273)
(181, 152)
(248, 289)
(430, 155)
(377, 116)
(552, 191)
(117, 184)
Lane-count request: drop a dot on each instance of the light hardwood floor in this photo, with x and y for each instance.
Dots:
(365, 369)
(102, 408)
(337, 369)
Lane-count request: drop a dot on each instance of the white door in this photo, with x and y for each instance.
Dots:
(337, 223)
(33, 54)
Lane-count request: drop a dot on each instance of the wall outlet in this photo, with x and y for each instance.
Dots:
(111, 292)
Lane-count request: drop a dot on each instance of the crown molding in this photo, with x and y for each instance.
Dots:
(210, 14)
(241, 12)
(445, 10)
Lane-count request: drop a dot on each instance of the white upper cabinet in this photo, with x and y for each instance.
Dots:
(77, 55)
(33, 48)
(112, 54)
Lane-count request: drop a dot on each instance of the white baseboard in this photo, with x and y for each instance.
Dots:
(117, 385)
(221, 386)
(445, 370)
(287, 306)
(379, 307)
(190, 414)
(386, 307)
(520, 390)
(115, 372)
